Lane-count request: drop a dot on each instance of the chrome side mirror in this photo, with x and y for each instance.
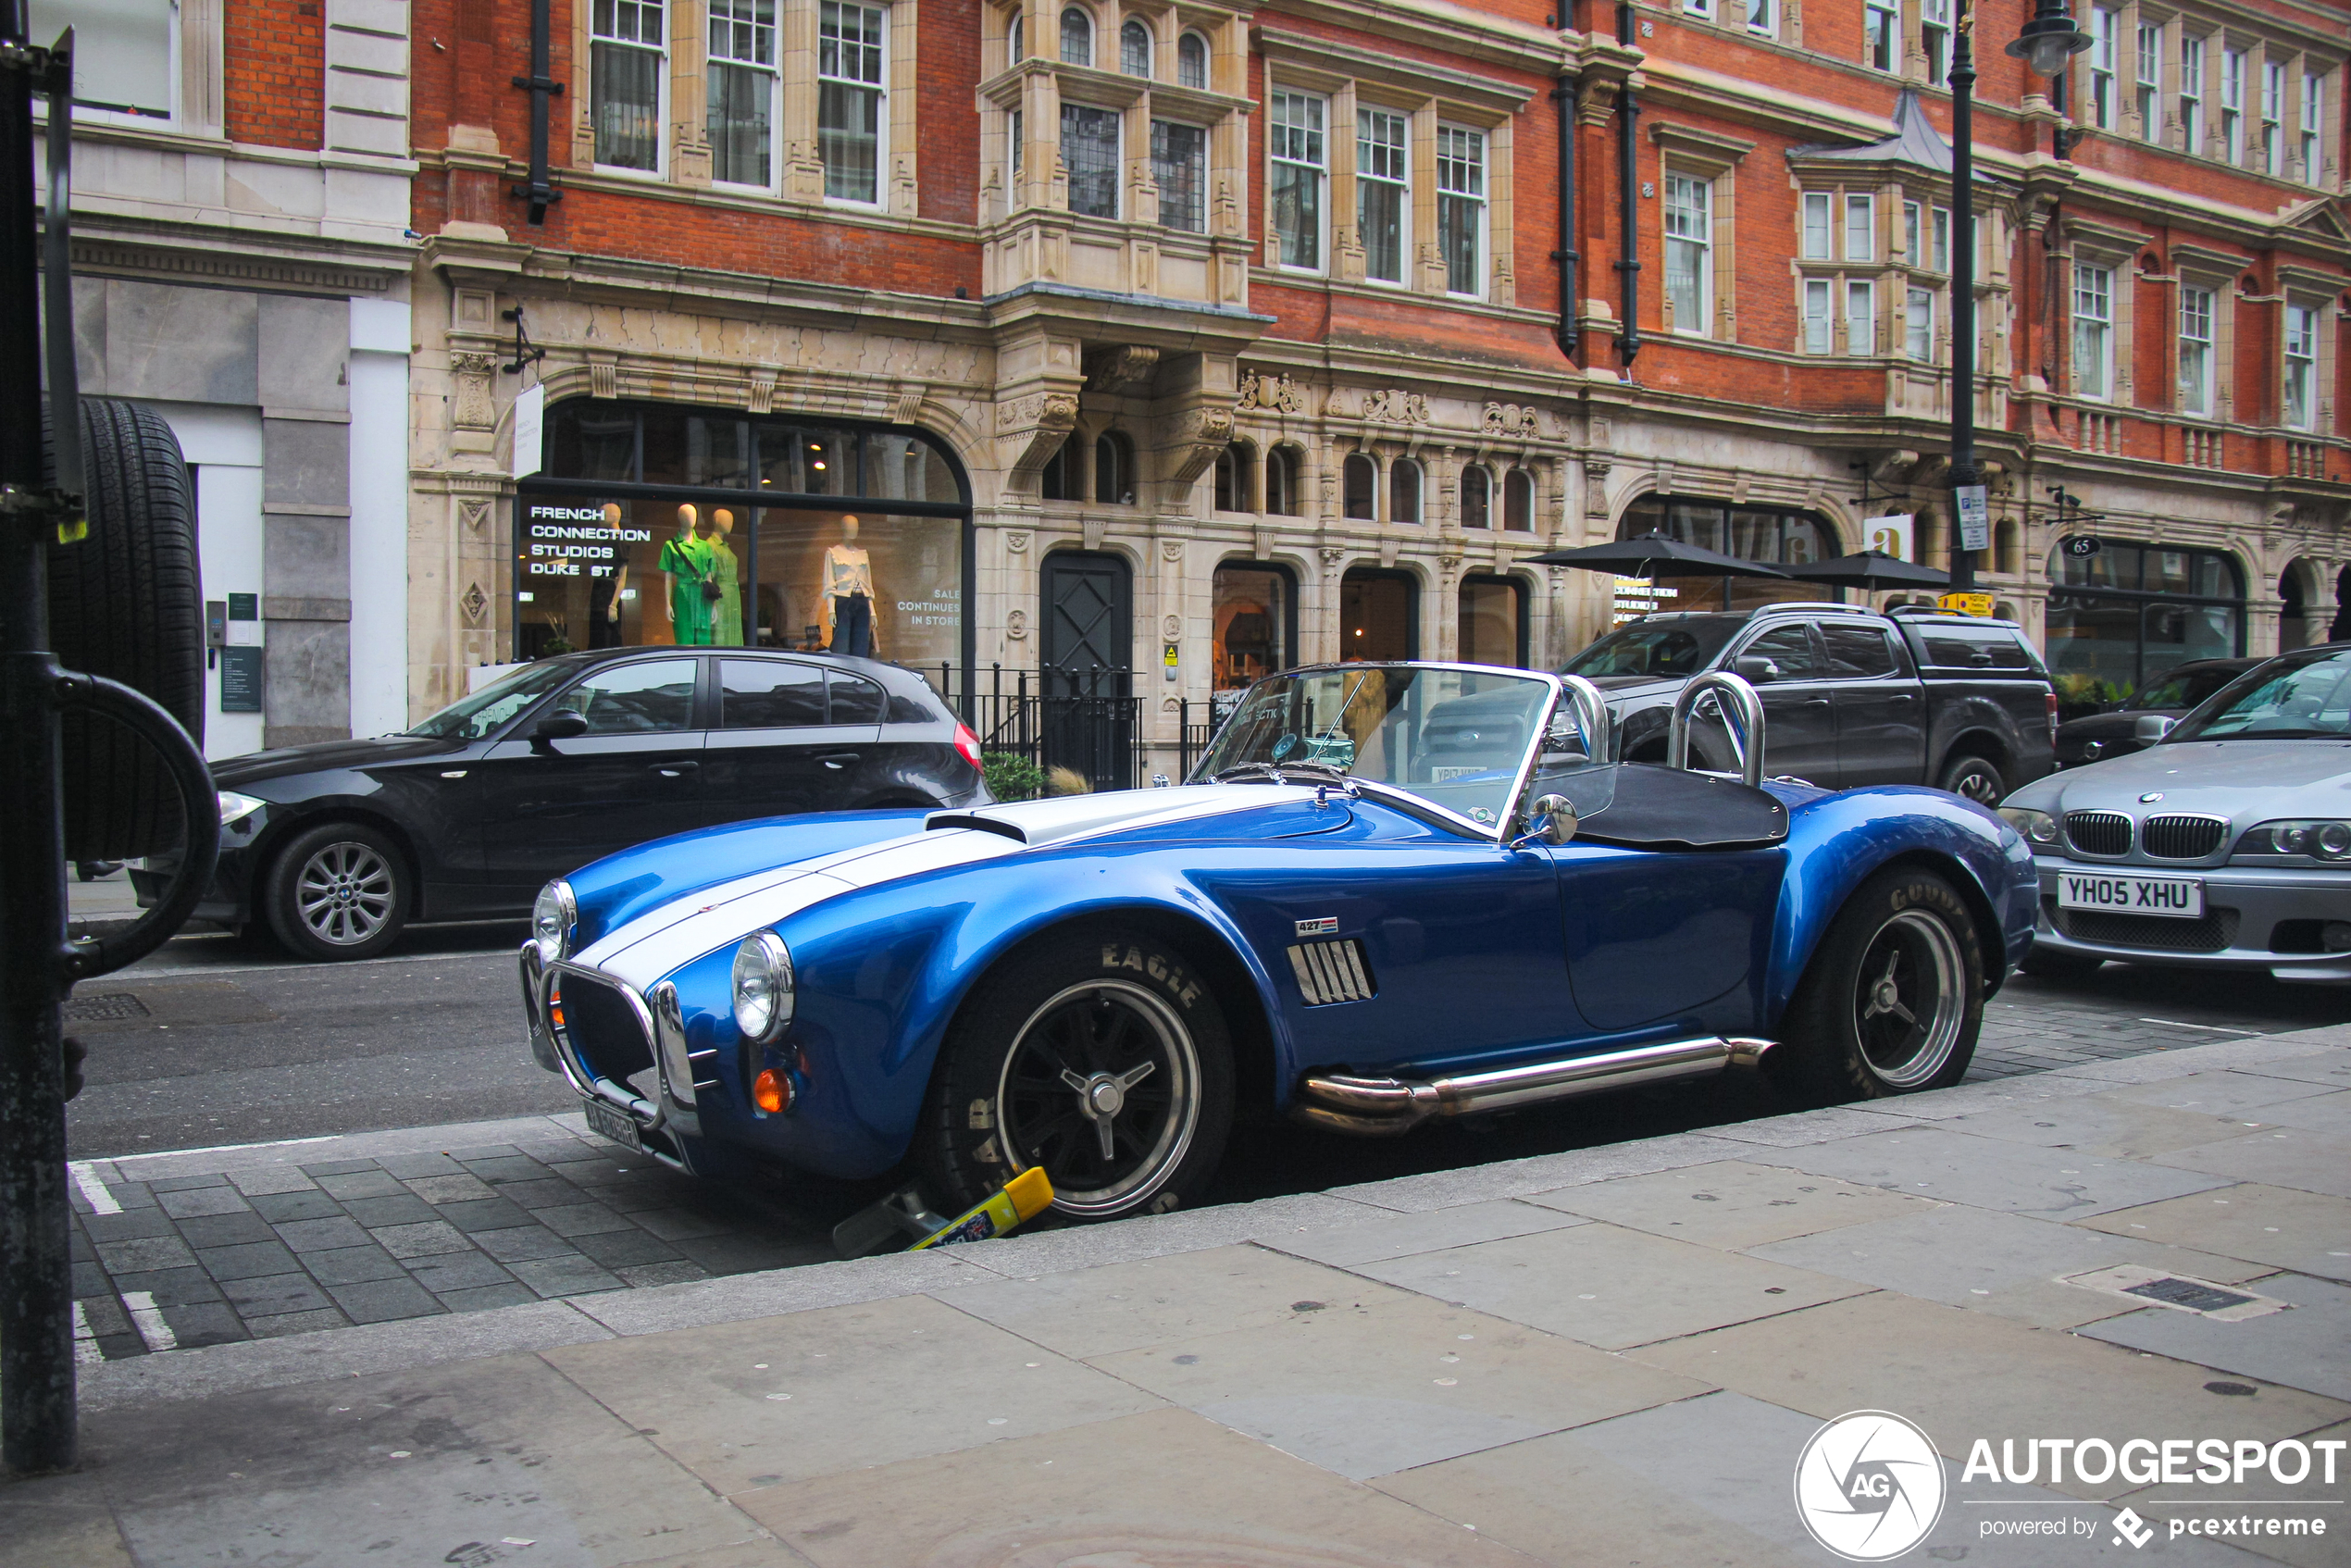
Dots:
(1554, 822)
(2152, 728)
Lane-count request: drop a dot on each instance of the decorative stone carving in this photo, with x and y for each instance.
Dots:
(1016, 543)
(1332, 555)
(1170, 627)
(1277, 394)
(1031, 427)
(474, 409)
(1171, 550)
(1093, 527)
(476, 603)
(603, 379)
(474, 514)
(1017, 625)
(1595, 488)
(762, 399)
(1395, 406)
(1199, 435)
(1511, 419)
(1123, 370)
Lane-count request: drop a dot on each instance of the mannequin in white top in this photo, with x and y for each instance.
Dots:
(847, 589)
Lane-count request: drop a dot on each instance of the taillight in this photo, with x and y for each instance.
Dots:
(967, 745)
(2049, 699)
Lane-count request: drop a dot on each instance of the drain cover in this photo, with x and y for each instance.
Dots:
(98, 1009)
(2188, 1293)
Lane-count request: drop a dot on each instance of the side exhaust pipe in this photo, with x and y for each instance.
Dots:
(1384, 1107)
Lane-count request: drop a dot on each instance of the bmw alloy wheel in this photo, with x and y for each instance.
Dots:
(1101, 1089)
(1908, 1003)
(345, 894)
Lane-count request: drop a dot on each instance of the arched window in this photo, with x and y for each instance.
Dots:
(1477, 487)
(1237, 478)
(1057, 481)
(1362, 485)
(1114, 468)
(1078, 37)
(1282, 475)
(1135, 49)
(1016, 37)
(1518, 501)
(1403, 491)
(1191, 61)
(1255, 632)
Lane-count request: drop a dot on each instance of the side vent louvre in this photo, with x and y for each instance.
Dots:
(1329, 972)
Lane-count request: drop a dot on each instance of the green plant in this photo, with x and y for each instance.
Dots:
(1011, 776)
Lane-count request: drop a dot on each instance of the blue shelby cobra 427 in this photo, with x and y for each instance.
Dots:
(1389, 892)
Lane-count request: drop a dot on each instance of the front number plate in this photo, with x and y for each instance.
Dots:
(2180, 897)
(612, 1122)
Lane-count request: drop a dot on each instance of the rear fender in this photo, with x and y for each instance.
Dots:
(1838, 841)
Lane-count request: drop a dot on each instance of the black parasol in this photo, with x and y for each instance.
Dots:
(1870, 569)
(1654, 555)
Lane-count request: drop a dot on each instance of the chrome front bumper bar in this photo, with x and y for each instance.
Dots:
(1382, 1107)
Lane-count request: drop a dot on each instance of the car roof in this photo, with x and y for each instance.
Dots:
(876, 669)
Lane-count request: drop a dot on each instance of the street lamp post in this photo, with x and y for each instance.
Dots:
(2048, 42)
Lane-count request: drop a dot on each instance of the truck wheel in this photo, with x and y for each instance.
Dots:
(337, 891)
(1974, 778)
(1103, 1058)
(1892, 998)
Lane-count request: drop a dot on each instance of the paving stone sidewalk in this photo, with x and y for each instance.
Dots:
(1613, 1355)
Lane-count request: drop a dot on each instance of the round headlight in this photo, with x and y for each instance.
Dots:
(2038, 826)
(552, 919)
(2333, 840)
(762, 986)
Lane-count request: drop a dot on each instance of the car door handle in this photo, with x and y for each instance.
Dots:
(838, 759)
(675, 769)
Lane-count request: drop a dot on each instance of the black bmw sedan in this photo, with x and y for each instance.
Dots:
(335, 846)
(2113, 733)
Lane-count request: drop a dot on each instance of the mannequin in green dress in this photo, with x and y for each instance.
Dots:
(685, 567)
(727, 611)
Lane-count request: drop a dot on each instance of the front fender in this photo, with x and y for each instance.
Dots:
(883, 972)
(1838, 841)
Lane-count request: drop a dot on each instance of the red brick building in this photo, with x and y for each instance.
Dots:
(1200, 338)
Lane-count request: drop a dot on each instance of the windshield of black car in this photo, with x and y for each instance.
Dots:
(1659, 649)
(2178, 692)
(478, 716)
(1456, 737)
(2286, 701)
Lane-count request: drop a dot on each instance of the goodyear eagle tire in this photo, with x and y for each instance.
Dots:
(1104, 1059)
(1893, 1000)
(126, 603)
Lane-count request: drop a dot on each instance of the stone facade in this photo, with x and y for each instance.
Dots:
(240, 261)
(1029, 305)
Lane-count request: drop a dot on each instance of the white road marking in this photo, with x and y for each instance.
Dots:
(86, 1181)
(85, 1339)
(221, 1148)
(149, 1318)
(504, 955)
(2215, 1028)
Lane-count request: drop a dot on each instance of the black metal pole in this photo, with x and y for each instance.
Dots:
(36, 1304)
(540, 193)
(1966, 478)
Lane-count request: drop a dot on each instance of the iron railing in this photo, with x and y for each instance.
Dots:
(1089, 722)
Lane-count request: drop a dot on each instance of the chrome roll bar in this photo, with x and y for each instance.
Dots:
(1591, 716)
(1745, 729)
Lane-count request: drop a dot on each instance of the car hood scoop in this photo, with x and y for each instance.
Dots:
(1648, 807)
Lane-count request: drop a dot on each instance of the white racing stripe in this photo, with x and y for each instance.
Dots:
(149, 1319)
(86, 1182)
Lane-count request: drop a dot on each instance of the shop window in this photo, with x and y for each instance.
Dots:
(1518, 501)
(1235, 468)
(1359, 479)
(1493, 623)
(849, 99)
(1476, 489)
(742, 92)
(1403, 491)
(628, 55)
(2121, 616)
(1282, 476)
(1114, 468)
(1294, 185)
(1191, 61)
(1180, 166)
(1135, 49)
(1078, 37)
(1777, 536)
(1253, 621)
(1378, 614)
(1057, 481)
(1090, 156)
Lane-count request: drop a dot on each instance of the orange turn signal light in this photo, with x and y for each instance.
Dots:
(772, 1090)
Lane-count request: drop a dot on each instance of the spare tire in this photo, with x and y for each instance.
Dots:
(126, 603)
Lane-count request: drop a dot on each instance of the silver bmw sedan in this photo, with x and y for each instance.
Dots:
(2226, 844)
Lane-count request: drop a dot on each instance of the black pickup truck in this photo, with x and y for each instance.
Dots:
(1849, 696)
